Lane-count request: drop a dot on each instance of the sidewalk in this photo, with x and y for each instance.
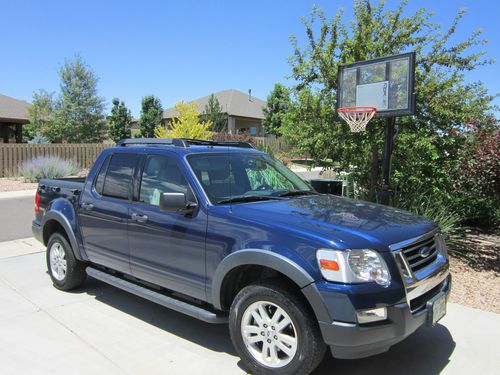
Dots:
(17, 194)
(99, 329)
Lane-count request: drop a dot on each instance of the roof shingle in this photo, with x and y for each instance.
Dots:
(233, 102)
(13, 110)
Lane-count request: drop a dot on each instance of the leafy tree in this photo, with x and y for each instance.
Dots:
(41, 115)
(445, 100)
(151, 116)
(278, 105)
(120, 121)
(214, 113)
(186, 124)
(79, 111)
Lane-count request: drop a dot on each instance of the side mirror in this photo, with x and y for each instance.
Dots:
(176, 202)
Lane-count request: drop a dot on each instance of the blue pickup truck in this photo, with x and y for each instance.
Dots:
(226, 234)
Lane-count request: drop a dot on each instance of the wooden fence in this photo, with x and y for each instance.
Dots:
(271, 143)
(13, 155)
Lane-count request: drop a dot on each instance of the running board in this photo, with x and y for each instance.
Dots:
(161, 299)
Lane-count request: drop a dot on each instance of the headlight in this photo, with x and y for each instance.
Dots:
(353, 266)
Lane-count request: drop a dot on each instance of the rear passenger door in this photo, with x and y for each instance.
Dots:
(166, 248)
(104, 210)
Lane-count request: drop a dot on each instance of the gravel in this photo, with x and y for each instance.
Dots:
(475, 268)
(15, 184)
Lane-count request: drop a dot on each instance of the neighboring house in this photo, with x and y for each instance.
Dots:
(13, 115)
(243, 111)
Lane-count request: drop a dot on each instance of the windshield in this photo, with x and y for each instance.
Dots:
(237, 177)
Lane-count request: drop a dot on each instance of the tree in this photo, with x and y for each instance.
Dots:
(151, 116)
(41, 115)
(120, 121)
(445, 100)
(79, 111)
(186, 124)
(278, 105)
(214, 113)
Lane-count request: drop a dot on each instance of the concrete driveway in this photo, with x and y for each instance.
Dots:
(102, 330)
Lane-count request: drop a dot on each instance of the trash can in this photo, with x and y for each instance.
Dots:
(326, 186)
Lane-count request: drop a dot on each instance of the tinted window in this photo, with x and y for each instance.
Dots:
(161, 175)
(99, 181)
(118, 179)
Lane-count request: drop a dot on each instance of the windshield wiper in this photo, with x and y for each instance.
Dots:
(294, 193)
(247, 198)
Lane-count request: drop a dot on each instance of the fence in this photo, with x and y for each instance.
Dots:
(272, 143)
(13, 155)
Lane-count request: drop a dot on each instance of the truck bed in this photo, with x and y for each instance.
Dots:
(69, 188)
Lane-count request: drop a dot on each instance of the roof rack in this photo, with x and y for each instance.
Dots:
(180, 142)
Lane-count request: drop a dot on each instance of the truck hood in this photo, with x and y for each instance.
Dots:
(341, 222)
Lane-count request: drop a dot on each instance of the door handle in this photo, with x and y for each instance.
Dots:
(139, 218)
(87, 206)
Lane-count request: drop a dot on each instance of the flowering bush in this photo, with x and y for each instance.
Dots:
(47, 167)
(477, 175)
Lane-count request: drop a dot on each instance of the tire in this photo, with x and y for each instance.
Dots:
(299, 358)
(65, 270)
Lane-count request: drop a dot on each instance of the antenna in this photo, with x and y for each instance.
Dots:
(249, 95)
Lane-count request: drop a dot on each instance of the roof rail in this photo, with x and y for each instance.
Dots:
(181, 142)
(152, 141)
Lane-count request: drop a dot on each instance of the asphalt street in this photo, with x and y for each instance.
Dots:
(17, 215)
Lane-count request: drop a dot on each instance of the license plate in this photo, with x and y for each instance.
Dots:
(437, 308)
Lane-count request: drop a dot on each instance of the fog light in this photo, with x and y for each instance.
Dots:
(372, 315)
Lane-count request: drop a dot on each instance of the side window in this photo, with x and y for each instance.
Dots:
(161, 174)
(118, 178)
(99, 181)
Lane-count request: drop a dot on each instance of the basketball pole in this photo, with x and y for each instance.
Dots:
(386, 192)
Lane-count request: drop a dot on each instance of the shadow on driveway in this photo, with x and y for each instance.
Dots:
(427, 351)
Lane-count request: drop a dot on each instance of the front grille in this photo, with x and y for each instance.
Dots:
(419, 303)
(416, 255)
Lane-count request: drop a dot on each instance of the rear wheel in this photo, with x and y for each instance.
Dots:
(274, 331)
(65, 270)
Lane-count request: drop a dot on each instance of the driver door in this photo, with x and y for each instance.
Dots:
(166, 248)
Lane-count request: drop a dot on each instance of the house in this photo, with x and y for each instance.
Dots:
(13, 115)
(243, 111)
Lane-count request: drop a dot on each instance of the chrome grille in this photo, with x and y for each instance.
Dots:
(420, 254)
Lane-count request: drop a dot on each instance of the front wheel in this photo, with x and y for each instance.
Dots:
(274, 331)
(65, 270)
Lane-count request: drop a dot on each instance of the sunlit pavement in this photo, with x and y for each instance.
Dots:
(102, 330)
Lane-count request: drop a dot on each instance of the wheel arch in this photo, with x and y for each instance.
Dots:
(256, 257)
(54, 221)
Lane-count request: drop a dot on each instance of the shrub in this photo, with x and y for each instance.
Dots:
(435, 208)
(47, 167)
(226, 137)
(38, 139)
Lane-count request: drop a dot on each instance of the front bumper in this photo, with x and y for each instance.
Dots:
(351, 340)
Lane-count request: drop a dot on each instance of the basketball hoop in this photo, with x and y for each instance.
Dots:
(357, 117)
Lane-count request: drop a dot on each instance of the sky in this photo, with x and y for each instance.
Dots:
(183, 50)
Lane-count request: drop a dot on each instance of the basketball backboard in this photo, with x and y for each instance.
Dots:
(386, 83)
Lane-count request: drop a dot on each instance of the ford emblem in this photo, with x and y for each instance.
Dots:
(425, 251)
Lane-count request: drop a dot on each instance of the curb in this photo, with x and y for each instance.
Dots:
(17, 194)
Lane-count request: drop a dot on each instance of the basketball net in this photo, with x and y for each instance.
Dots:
(357, 117)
